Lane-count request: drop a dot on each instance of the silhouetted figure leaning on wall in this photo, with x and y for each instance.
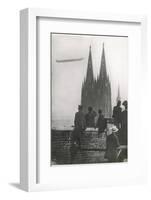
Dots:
(80, 125)
(117, 114)
(124, 124)
(90, 118)
(101, 123)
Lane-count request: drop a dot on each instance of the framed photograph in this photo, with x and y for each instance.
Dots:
(81, 112)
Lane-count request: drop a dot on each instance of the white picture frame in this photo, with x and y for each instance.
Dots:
(29, 148)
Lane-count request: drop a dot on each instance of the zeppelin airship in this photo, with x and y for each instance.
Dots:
(69, 60)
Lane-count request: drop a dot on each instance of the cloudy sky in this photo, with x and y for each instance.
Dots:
(67, 77)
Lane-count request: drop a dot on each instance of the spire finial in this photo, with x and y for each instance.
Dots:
(118, 94)
(89, 74)
(103, 45)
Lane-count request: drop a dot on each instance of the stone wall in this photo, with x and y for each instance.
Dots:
(63, 151)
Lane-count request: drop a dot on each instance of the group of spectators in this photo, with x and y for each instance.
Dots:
(116, 142)
(116, 133)
(81, 122)
(120, 121)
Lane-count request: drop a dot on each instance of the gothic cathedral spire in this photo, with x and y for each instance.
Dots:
(103, 72)
(97, 92)
(118, 95)
(87, 93)
(89, 75)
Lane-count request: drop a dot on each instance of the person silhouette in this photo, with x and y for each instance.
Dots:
(112, 143)
(79, 125)
(90, 117)
(124, 124)
(101, 122)
(117, 114)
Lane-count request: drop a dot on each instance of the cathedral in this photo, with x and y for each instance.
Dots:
(96, 92)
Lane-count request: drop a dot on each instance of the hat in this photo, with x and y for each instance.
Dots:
(80, 107)
(125, 103)
(112, 129)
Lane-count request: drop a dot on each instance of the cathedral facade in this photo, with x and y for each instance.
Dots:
(96, 92)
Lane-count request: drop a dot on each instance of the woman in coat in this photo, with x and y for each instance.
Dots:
(112, 143)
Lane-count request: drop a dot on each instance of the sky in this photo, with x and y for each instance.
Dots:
(67, 77)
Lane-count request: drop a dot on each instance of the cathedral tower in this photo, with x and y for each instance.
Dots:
(87, 94)
(104, 88)
(97, 92)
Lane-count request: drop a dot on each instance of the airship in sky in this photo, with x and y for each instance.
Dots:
(69, 60)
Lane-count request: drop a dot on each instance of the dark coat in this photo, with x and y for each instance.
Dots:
(111, 147)
(90, 119)
(117, 113)
(79, 120)
(101, 123)
(80, 125)
(123, 130)
(124, 120)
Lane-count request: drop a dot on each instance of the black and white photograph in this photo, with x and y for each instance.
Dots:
(89, 98)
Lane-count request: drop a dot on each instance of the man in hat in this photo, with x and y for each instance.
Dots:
(112, 143)
(80, 125)
(117, 114)
(123, 131)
